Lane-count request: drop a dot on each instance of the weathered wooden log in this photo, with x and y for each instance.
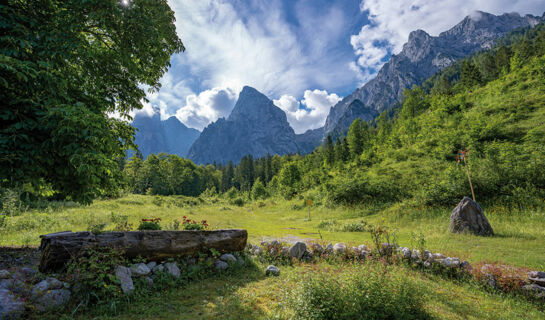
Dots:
(156, 245)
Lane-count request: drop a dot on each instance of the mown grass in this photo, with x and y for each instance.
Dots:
(519, 236)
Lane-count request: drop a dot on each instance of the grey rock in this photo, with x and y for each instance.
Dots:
(537, 277)
(25, 274)
(468, 217)
(422, 56)
(406, 253)
(151, 265)
(339, 248)
(489, 279)
(427, 255)
(272, 270)
(534, 290)
(275, 243)
(172, 269)
(362, 247)
(317, 248)
(426, 264)
(285, 251)
(124, 276)
(415, 255)
(4, 274)
(229, 258)
(45, 285)
(15, 285)
(466, 266)
(298, 250)
(241, 261)
(169, 136)
(220, 265)
(52, 299)
(11, 307)
(140, 269)
(158, 268)
(148, 281)
(257, 251)
(329, 248)
(256, 124)
(438, 256)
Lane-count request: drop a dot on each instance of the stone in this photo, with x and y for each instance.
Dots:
(148, 281)
(45, 285)
(427, 255)
(52, 299)
(11, 307)
(25, 274)
(329, 248)
(537, 277)
(275, 243)
(16, 286)
(468, 217)
(406, 253)
(220, 265)
(438, 256)
(466, 266)
(317, 248)
(124, 276)
(158, 268)
(257, 251)
(272, 270)
(229, 258)
(172, 269)
(298, 250)
(427, 264)
(285, 251)
(534, 290)
(151, 265)
(362, 247)
(339, 248)
(489, 279)
(415, 254)
(4, 274)
(241, 261)
(140, 269)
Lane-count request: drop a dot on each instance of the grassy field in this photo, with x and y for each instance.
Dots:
(519, 236)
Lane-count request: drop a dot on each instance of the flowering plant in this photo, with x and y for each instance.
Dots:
(150, 224)
(188, 224)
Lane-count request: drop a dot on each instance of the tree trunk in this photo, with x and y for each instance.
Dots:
(58, 248)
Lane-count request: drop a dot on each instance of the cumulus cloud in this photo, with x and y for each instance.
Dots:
(309, 113)
(207, 106)
(392, 21)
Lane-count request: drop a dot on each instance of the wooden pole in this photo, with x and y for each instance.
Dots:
(469, 179)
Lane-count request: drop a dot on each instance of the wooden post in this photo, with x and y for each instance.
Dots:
(469, 179)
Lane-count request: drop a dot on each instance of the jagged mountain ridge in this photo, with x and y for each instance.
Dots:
(421, 57)
(169, 136)
(255, 126)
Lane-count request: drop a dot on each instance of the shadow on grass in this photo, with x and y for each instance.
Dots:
(211, 296)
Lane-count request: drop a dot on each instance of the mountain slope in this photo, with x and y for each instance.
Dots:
(169, 136)
(422, 56)
(255, 126)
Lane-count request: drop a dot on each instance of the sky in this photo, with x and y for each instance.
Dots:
(305, 55)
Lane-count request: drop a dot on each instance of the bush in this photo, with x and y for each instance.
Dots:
(188, 224)
(150, 224)
(238, 202)
(377, 293)
(258, 190)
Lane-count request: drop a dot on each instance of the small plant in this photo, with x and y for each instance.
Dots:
(189, 224)
(175, 225)
(97, 228)
(3, 221)
(238, 202)
(355, 227)
(158, 201)
(385, 241)
(150, 224)
(121, 222)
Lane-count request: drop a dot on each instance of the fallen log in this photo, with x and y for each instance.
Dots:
(153, 245)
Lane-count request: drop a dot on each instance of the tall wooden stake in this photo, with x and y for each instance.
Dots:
(469, 178)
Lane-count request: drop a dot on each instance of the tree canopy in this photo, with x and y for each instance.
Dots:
(65, 67)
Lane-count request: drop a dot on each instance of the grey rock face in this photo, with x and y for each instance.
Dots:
(272, 270)
(221, 265)
(229, 258)
(256, 126)
(469, 217)
(169, 136)
(422, 56)
(52, 299)
(172, 269)
(124, 275)
(10, 306)
(298, 250)
(140, 269)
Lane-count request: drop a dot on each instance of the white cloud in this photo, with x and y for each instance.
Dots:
(392, 21)
(311, 112)
(206, 107)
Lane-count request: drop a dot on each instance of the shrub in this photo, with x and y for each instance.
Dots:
(376, 293)
(258, 190)
(150, 224)
(188, 224)
(238, 202)
(355, 227)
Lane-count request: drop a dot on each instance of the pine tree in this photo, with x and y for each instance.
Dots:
(227, 177)
(355, 138)
(329, 151)
(470, 75)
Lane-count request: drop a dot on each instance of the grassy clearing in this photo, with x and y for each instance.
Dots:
(519, 239)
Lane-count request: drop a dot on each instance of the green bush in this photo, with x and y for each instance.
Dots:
(377, 292)
(238, 202)
(152, 224)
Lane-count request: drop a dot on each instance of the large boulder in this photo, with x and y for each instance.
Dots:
(11, 307)
(468, 217)
(298, 250)
(124, 276)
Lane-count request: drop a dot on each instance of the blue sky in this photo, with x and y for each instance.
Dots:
(304, 54)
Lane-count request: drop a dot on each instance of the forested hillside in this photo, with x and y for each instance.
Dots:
(490, 104)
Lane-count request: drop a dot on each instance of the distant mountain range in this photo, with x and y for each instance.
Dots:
(169, 136)
(257, 127)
